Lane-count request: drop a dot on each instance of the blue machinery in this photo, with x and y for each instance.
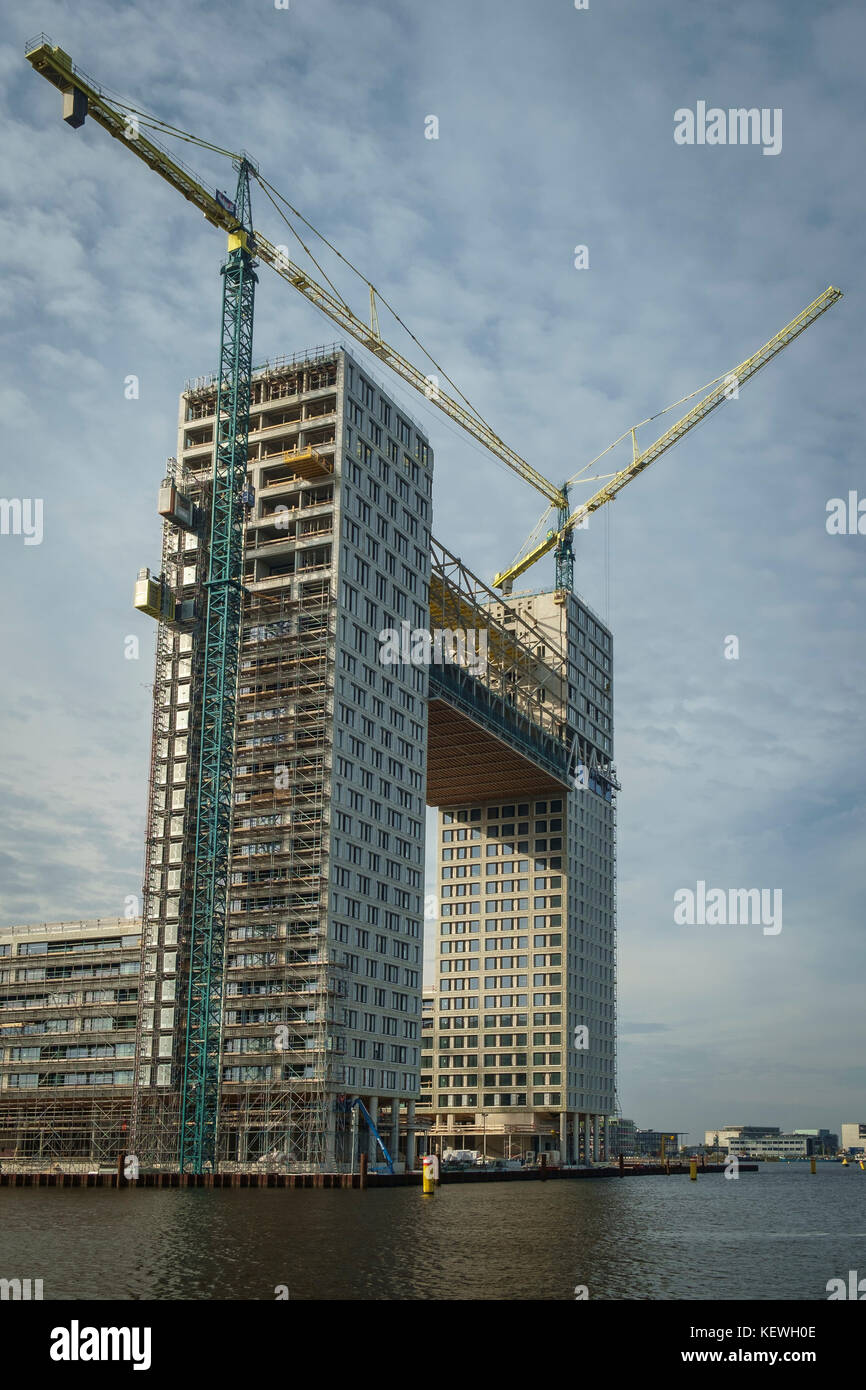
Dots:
(350, 1105)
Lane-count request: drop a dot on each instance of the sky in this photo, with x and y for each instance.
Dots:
(555, 131)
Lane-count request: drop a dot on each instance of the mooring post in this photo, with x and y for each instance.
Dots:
(428, 1175)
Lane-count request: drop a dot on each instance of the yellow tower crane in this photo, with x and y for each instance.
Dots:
(724, 388)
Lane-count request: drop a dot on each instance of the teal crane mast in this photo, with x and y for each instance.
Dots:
(222, 624)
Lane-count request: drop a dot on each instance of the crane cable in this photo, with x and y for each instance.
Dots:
(306, 248)
(165, 128)
(605, 477)
(152, 122)
(270, 188)
(600, 478)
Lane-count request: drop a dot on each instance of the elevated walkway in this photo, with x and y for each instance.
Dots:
(496, 725)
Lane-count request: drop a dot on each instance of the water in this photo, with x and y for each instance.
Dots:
(778, 1233)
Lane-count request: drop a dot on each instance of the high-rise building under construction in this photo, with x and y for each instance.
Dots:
(341, 736)
(322, 979)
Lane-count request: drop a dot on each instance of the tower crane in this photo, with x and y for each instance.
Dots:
(222, 626)
(221, 621)
(83, 97)
(559, 538)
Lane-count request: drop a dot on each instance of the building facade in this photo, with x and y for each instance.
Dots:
(823, 1140)
(652, 1143)
(323, 961)
(730, 1136)
(69, 1000)
(778, 1145)
(621, 1137)
(522, 1031)
(768, 1141)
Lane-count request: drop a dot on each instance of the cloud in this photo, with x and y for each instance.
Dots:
(629, 1028)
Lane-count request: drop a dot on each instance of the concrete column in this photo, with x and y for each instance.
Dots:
(563, 1137)
(331, 1140)
(596, 1138)
(372, 1149)
(587, 1138)
(410, 1136)
(394, 1145)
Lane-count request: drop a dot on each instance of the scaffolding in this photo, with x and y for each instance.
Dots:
(156, 1110)
(522, 671)
(281, 1048)
(281, 1040)
(53, 1127)
(67, 1018)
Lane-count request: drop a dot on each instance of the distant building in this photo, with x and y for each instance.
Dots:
(824, 1141)
(648, 1142)
(854, 1136)
(778, 1145)
(730, 1136)
(69, 1002)
(768, 1141)
(621, 1137)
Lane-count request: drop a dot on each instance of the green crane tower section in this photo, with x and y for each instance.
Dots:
(222, 620)
(222, 529)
